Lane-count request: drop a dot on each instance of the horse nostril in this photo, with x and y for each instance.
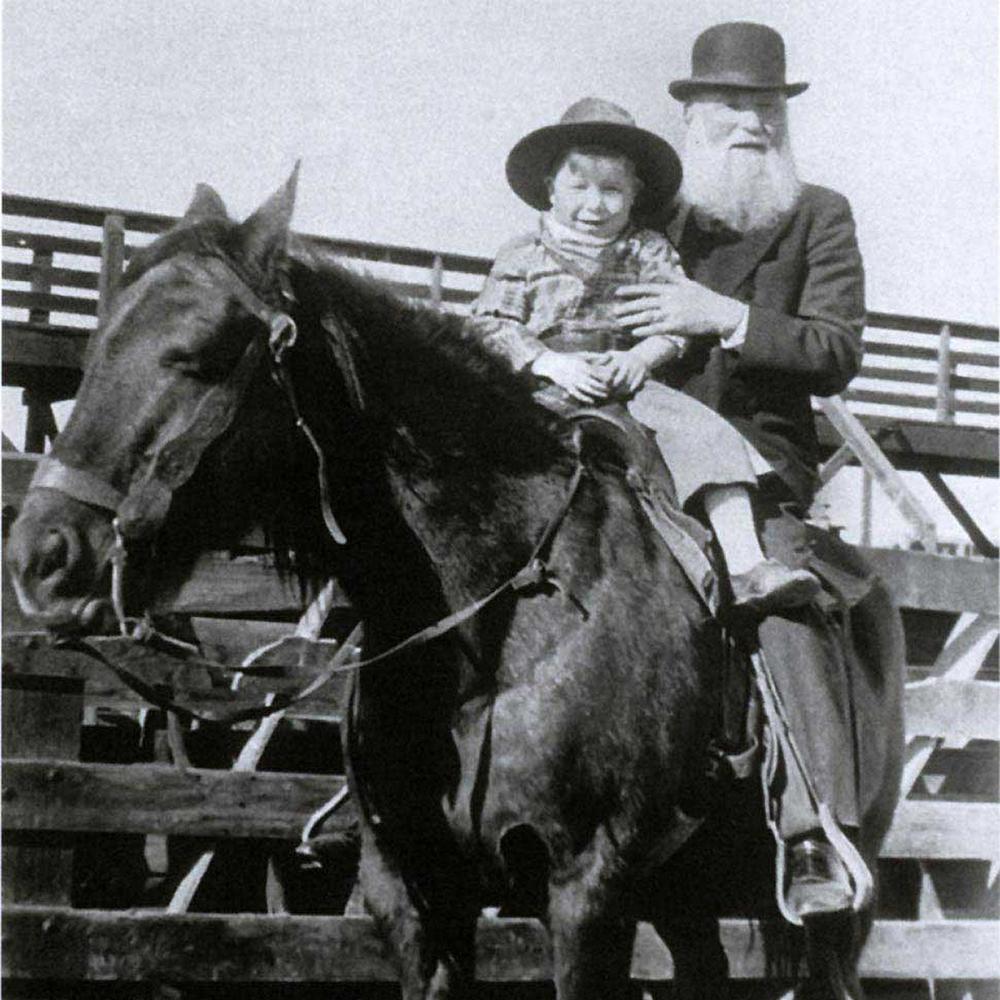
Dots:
(55, 554)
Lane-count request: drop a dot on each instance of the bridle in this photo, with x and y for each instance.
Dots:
(139, 512)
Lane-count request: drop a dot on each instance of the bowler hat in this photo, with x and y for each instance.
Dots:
(737, 55)
(594, 122)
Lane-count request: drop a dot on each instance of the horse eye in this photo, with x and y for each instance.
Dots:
(182, 361)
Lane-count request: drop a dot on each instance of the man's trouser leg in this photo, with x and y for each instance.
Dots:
(806, 659)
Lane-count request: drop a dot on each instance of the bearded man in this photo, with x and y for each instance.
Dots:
(773, 306)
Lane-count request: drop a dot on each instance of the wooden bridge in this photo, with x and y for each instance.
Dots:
(91, 812)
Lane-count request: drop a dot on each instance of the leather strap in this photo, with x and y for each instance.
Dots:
(532, 575)
(54, 474)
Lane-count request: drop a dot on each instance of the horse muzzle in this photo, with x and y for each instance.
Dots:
(58, 555)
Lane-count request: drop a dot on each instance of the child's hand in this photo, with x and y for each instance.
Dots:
(574, 373)
(627, 371)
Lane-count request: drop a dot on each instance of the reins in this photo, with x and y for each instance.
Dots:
(165, 474)
(533, 575)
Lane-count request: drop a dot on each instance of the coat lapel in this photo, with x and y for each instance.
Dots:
(728, 265)
(674, 229)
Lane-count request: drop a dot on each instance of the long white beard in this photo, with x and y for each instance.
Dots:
(742, 189)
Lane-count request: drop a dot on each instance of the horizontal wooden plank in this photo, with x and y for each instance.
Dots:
(423, 293)
(44, 794)
(390, 253)
(244, 585)
(925, 324)
(940, 583)
(902, 376)
(885, 397)
(134, 946)
(915, 352)
(960, 710)
(49, 243)
(49, 360)
(66, 277)
(28, 345)
(922, 445)
(53, 795)
(104, 691)
(86, 215)
(52, 303)
(151, 222)
(944, 830)
(230, 640)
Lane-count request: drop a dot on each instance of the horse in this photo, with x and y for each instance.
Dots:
(540, 680)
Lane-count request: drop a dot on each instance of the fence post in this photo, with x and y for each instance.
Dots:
(945, 408)
(41, 283)
(866, 507)
(40, 423)
(112, 263)
(437, 277)
(41, 718)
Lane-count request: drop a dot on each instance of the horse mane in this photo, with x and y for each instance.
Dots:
(209, 237)
(455, 398)
(449, 405)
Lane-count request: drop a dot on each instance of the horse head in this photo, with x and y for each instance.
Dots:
(190, 328)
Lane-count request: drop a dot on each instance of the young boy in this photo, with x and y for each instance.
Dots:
(545, 308)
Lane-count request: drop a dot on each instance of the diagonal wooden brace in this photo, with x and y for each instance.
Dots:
(874, 460)
(309, 627)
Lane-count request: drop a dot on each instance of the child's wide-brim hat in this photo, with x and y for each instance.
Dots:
(593, 122)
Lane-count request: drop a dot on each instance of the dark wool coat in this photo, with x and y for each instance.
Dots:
(804, 282)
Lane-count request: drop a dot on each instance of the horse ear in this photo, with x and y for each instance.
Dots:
(264, 236)
(206, 204)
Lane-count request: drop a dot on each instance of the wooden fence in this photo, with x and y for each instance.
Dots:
(90, 810)
(938, 918)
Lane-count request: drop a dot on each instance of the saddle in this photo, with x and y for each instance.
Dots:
(611, 435)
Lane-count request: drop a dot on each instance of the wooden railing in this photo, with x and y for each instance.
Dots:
(61, 260)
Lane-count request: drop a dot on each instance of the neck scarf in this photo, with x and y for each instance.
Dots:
(582, 254)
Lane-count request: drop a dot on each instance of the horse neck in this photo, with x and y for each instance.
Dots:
(455, 483)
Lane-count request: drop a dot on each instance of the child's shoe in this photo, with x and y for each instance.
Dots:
(771, 586)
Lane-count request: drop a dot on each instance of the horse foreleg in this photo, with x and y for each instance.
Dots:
(832, 948)
(701, 969)
(681, 901)
(591, 942)
(425, 973)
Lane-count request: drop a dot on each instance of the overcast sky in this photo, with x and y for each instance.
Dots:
(403, 114)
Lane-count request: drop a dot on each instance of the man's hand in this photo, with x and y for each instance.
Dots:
(583, 380)
(626, 370)
(676, 305)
